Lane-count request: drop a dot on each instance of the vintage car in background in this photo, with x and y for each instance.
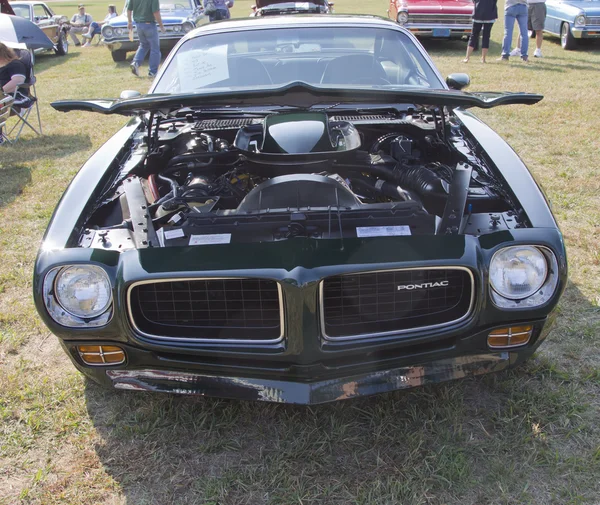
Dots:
(301, 210)
(55, 26)
(450, 19)
(278, 7)
(573, 20)
(179, 17)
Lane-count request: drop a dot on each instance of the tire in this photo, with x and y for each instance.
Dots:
(62, 45)
(567, 41)
(118, 56)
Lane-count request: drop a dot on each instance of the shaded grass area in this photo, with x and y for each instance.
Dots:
(529, 435)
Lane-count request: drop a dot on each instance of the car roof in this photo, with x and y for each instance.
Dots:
(296, 20)
(27, 3)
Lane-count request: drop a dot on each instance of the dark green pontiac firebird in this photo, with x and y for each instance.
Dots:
(301, 210)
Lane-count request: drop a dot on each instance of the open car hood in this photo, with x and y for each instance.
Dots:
(299, 95)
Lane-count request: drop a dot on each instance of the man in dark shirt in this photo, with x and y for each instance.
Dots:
(146, 14)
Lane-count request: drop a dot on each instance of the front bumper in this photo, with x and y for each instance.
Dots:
(248, 388)
(439, 31)
(127, 45)
(586, 32)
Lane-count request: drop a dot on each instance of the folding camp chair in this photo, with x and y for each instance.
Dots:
(25, 101)
(5, 109)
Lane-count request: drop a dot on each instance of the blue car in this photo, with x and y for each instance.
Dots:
(179, 17)
(573, 20)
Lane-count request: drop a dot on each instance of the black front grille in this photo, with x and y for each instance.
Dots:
(240, 309)
(394, 301)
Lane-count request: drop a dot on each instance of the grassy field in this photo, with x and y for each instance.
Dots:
(531, 435)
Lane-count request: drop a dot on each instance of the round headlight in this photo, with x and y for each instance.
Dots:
(107, 31)
(402, 17)
(119, 31)
(580, 20)
(177, 28)
(518, 272)
(188, 27)
(83, 291)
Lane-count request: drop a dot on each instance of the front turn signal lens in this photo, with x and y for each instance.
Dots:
(101, 354)
(513, 336)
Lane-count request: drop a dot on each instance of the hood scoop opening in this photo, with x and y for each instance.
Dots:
(298, 137)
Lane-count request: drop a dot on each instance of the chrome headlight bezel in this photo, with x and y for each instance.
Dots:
(187, 27)
(537, 297)
(402, 17)
(65, 315)
(580, 20)
(107, 32)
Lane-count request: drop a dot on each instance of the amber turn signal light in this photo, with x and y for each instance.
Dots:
(512, 336)
(101, 354)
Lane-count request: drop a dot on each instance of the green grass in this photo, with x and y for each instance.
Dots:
(530, 435)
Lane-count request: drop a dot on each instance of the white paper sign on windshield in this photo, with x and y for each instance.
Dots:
(201, 68)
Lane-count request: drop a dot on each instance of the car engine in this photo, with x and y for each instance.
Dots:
(192, 180)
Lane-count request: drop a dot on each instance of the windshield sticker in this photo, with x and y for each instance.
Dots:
(382, 231)
(215, 238)
(201, 68)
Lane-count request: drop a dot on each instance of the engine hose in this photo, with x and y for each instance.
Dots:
(379, 187)
(184, 158)
(174, 186)
(417, 178)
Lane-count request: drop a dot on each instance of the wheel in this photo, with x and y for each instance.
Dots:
(118, 55)
(62, 45)
(567, 41)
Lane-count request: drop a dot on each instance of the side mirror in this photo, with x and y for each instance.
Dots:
(129, 93)
(458, 81)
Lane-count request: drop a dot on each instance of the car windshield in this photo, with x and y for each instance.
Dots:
(21, 10)
(176, 5)
(363, 57)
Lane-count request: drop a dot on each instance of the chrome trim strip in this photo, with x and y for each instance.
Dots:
(207, 340)
(384, 333)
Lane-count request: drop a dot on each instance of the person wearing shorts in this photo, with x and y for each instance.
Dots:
(537, 18)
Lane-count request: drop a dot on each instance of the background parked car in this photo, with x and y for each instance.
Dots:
(179, 17)
(434, 18)
(573, 20)
(55, 26)
(276, 7)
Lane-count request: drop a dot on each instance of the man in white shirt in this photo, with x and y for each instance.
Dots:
(80, 23)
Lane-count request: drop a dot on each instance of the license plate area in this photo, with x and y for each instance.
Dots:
(441, 32)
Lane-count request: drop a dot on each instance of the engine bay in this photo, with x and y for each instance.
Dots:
(194, 179)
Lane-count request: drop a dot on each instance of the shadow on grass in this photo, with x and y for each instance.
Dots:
(45, 61)
(503, 438)
(15, 174)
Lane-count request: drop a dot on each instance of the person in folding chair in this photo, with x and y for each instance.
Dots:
(17, 79)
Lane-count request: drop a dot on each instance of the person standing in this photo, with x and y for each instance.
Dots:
(146, 14)
(515, 10)
(536, 11)
(218, 9)
(80, 23)
(484, 16)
